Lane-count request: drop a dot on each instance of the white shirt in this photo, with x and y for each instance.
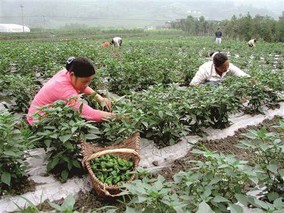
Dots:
(116, 41)
(207, 72)
(251, 42)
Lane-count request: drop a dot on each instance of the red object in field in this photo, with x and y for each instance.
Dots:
(105, 44)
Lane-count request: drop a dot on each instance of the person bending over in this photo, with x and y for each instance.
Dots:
(116, 41)
(251, 43)
(69, 83)
(105, 44)
(216, 70)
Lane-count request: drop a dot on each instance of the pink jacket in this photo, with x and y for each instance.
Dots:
(59, 87)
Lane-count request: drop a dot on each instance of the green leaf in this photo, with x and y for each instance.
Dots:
(160, 114)
(55, 206)
(264, 147)
(273, 168)
(10, 153)
(220, 199)
(141, 199)
(278, 203)
(47, 143)
(145, 124)
(215, 180)
(6, 178)
(203, 207)
(68, 203)
(68, 145)
(248, 144)
(54, 136)
(64, 174)
(65, 138)
(76, 164)
(91, 136)
(261, 204)
(73, 129)
(243, 199)
(235, 208)
(281, 172)
(52, 163)
(81, 108)
(273, 196)
(130, 210)
(197, 151)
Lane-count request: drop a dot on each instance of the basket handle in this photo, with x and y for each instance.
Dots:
(104, 152)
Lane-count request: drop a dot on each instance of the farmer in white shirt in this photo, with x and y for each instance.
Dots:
(251, 43)
(116, 41)
(216, 70)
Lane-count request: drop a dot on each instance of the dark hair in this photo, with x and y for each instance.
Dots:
(219, 59)
(211, 53)
(80, 66)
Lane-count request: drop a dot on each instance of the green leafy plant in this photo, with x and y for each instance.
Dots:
(161, 116)
(269, 160)
(215, 181)
(67, 206)
(61, 128)
(259, 96)
(115, 129)
(13, 146)
(150, 195)
(259, 205)
(21, 90)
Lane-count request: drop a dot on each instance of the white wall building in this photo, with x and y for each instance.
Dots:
(13, 28)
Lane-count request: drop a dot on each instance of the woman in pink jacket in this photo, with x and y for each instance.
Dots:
(68, 83)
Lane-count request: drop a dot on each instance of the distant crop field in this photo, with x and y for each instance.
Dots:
(148, 64)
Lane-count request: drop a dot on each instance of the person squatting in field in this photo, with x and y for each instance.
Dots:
(69, 83)
(105, 44)
(251, 43)
(116, 41)
(216, 70)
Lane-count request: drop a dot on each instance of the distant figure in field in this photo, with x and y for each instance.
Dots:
(251, 43)
(218, 35)
(116, 41)
(216, 70)
(105, 44)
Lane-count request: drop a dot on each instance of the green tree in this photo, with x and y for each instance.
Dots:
(280, 29)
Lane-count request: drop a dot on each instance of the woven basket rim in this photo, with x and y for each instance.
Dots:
(111, 151)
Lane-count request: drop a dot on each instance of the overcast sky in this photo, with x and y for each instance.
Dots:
(39, 13)
(261, 3)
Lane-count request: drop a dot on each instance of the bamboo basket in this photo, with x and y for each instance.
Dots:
(128, 149)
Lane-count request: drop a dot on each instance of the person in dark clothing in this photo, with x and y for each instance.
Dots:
(218, 35)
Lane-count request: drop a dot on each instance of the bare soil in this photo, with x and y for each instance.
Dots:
(22, 186)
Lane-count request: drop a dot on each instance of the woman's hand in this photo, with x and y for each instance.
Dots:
(122, 118)
(104, 102)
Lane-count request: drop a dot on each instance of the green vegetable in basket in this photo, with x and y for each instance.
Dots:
(111, 169)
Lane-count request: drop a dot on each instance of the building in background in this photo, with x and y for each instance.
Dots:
(13, 28)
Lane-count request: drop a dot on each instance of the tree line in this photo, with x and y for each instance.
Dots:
(239, 28)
